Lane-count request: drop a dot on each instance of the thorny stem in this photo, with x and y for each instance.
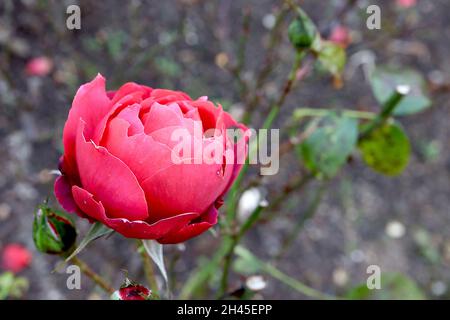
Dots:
(252, 219)
(231, 213)
(237, 70)
(268, 64)
(275, 109)
(318, 112)
(93, 275)
(309, 213)
(231, 210)
(284, 278)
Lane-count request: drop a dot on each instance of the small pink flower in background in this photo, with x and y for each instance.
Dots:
(406, 3)
(340, 35)
(39, 66)
(15, 257)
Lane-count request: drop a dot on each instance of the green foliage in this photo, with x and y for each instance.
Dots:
(331, 57)
(96, 231)
(246, 266)
(155, 252)
(12, 286)
(394, 286)
(249, 259)
(168, 67)
(426, 247)
(385, 79)
(386, 149)
(115, 43)
(430, 150)
(328, 147)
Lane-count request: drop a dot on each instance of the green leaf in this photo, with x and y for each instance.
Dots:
(385, 79)
(168, 67)
(155, 251)
(6, 284)
(331, 57)
(426, 247)
(326, 149)
(96, 231)
(19, 287)
(246, 266)
(12, 286)
(115, 43)
(394, 286)
(386, 149)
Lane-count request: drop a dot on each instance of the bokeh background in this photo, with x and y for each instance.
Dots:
(401, 224)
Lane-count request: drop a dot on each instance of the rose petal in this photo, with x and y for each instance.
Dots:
(91, 104)
(131, 88)
(124, 102)
(164, 96)
(110, 180)
(185, 188)
(160, 117)
(193, 229)
(63, 193)
(140, 152)
(208, 113)
(131, 115)
(131, 229)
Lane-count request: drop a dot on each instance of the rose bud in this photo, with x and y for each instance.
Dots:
(302, 32)
(40, 66)
(131, 291)
(128, 161)
(53, 231)
(15, 258)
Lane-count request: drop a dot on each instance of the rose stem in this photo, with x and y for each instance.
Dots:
(238, 68)
(267, 124)
(268, 64)
(148, 268)
(253, 218)
(93, 275)
(307, 215)
(274, 110)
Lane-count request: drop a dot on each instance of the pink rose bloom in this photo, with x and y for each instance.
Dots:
(119, 166)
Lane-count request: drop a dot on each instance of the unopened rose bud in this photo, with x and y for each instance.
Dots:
(53, 231)
(131, 291)
(302, 31)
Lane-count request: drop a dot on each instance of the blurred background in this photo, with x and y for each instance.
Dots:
(401, 224)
